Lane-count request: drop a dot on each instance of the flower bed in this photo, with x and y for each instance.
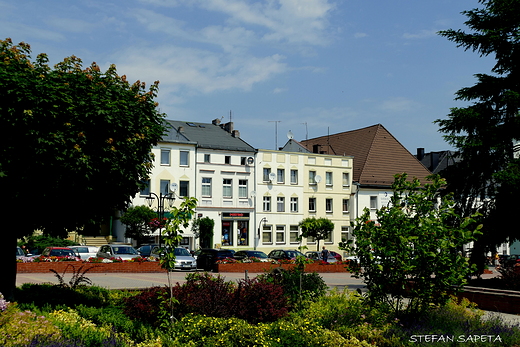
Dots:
(68, 266)
(263, 267)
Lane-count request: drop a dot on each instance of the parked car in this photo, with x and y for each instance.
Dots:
(336, 255)
(85, 252)
(59, 252)
(183, 258)
(512, 260)
(208, 257)
(146, 250)
(284, 254)
(125, 252)
(19, 253)
(242, 255)
(314, 255)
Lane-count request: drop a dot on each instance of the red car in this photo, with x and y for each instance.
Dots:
(336, 255)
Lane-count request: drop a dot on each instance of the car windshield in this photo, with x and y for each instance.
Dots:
(62, 253)
(124, 250)
(182, 252)
(19, 251)
(257, 254)
(81, 249)
(293, 254)
(224, 254)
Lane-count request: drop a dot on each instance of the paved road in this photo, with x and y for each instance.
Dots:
(146, 280)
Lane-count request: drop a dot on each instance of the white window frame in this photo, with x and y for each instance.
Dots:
(165, 157)
(227, 188)
(328, 179)
(312, 201)
(184, 158)
(294, 204)
(266, 173)
(187, 188)
(373, 202)
(266, 203)
(242, 189)
(312, 177)
(267, 234)
(294, 176)
(346, 205)
(206, 183)
(164, 186)
(280, 204)
(280, 234)
(280, 176)
(346, 179)
(294, 233)
(329, 205)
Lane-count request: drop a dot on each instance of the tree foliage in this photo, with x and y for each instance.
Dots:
(414, 247)
(317, 228)
(137, 221)
(76, 141)
(486, 132)
(203, 230)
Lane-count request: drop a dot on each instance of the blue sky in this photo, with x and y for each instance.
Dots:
(310, 66)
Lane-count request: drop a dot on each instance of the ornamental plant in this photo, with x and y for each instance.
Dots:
(414, 248)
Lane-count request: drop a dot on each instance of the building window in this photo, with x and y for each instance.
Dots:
(328, 238)
(242, 188)
(280, 176)
(267, 234)
(165, 157)
(346, 179)
(280, 204)
(328, 205)
(312, 204)
(227, 159)
(243, 160)
(165, 187)
(345, 233)
(145, 190)
(206, 186)
(328, 179)
(294, 176)
(227, 188)
(294, 204)
(207, 158)
(373, 202)
(293, 234)
(267, 204)
(267, 172)
(345, 205)
(312, 177)
(184, 158)
(184, 188)
(280, 234)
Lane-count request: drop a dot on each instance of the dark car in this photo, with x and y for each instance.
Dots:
(146, 250)
(284, 254)
(59, 252)
(512, 260)
(244, 255)
(208, 257)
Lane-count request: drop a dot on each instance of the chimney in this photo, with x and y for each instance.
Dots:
(235, 133)
(180, 129)
(420, 153)
(216, 121)
(228, 127)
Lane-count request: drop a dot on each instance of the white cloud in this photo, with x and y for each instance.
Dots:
(198, 71)
(360, 35)
(71, 25)
(398, 104)
(423, 34)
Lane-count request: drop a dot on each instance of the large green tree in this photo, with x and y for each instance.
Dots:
(413, 250)
(75, 143)
(317, 228)
(486, 132)
(137, 220)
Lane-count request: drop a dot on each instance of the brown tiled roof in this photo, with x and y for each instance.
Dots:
(378, 156)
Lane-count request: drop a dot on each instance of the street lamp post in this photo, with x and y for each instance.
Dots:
(161, 199)
(260, 224)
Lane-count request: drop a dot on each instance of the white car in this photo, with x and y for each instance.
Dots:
(183, 258)
(114, 250)
(85, 252)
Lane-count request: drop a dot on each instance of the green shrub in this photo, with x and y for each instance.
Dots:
(298, 286)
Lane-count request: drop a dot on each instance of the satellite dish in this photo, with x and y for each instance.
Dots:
(253, 194)
(173, 187)
(317, 179)
(290, 135)
(272, 176)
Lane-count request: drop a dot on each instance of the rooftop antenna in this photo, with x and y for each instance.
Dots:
(275, 132)
(306, 132)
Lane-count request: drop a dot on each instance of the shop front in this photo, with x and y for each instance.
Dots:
(235, 229)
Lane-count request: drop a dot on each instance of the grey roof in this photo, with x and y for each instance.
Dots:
(206, 135)
(294, 146)
(438, 161)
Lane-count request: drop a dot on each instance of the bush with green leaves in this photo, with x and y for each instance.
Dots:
(298, 286)
(414, 248)
(37, 243)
